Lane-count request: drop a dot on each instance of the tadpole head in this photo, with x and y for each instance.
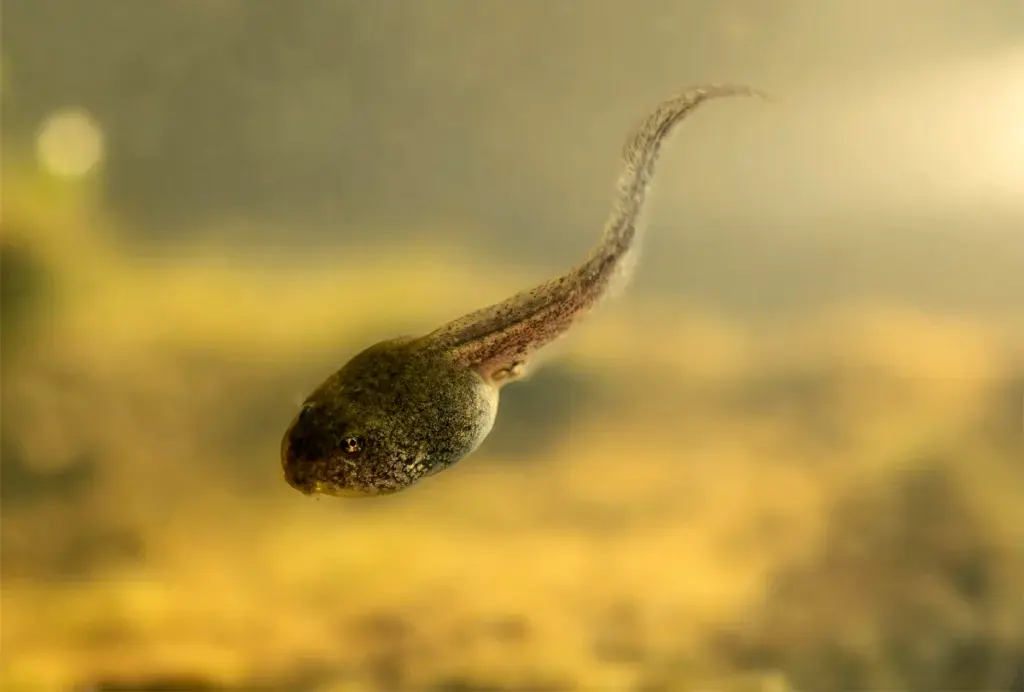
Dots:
(323, 453)
(395, 414)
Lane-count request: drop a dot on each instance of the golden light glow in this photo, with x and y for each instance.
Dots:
(70, 143)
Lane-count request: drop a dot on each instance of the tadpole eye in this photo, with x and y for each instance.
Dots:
(352, 445)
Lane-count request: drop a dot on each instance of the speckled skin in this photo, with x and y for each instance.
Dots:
(413, 410)
(408, 408)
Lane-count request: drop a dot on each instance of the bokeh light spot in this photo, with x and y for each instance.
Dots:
(70, 143)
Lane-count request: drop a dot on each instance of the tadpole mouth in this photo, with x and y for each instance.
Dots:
(297, 476)
(298, 470)
(334, 491)
(304, 478)
(297, 479)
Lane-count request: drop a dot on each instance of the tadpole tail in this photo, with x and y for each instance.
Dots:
(616, 251)
(497, 337)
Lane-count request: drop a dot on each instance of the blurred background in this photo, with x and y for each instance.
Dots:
(788, 458)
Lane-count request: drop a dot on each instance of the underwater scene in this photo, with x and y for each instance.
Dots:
(788, 455)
